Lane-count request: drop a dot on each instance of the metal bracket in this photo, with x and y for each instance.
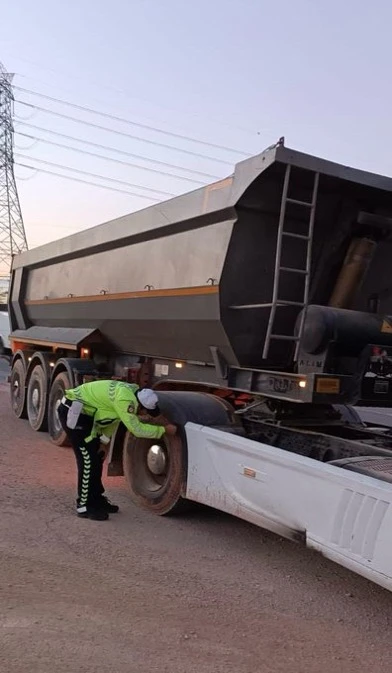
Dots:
(220, 363)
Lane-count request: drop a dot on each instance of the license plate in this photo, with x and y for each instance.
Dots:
(381, 387)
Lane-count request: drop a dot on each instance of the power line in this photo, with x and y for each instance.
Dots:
(101, 156)
(95, 175)
(147, 127)
(26, 149)
(191, 171)
(85, 182)
(125, 93)
(122, 133)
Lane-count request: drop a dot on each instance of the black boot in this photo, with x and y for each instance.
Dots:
(94, 513)
(106, 506)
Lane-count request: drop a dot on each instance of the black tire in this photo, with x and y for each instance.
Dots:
(163, 493)
(37, 399)
(18, 389)
(56, 432)
(160, 494)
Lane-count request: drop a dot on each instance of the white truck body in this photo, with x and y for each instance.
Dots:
(344, 515)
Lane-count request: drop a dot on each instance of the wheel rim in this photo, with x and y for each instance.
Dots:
(34, 402)
(156, 460)
(56, 394)
(56, 421)
(35, 398)
(154, 467)
(16, 391)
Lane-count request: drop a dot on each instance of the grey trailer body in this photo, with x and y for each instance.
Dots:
(223, 276)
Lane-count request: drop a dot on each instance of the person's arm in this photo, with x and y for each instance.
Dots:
(134, 426)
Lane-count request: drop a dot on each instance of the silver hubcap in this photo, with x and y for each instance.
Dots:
(15, 394)
(35, 397)
(156, 459)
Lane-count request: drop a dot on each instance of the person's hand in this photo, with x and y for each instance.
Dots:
(170, 430)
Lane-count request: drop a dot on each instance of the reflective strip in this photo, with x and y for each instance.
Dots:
(81, 510)
(85, 475)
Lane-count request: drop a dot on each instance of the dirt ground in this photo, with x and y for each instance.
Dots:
(138, 593)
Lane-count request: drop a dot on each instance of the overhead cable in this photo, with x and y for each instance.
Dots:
(122, 133)
(123, 120)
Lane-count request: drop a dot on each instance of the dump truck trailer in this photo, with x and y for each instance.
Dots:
(260, 309)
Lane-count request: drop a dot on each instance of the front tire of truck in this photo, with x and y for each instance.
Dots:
(60, 384)
(18, 389)
(155, 471)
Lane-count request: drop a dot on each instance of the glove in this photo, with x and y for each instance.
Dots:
(170, 430)
(104, 446)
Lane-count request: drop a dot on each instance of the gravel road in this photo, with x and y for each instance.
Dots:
(206, 593)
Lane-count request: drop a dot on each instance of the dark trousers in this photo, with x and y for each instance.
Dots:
(88, 459)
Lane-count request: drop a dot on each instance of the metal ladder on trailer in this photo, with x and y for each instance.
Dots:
(283, 236)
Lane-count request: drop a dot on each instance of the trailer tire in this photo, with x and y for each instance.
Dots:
(37, 399)
(60, 384)
(18, 388)
(157, 488)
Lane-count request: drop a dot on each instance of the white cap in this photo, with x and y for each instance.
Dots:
(147, 398)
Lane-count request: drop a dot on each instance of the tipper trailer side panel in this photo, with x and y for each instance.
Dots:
(197, 272)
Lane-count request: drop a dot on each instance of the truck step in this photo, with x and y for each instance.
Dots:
(291, 234)
(280, 302)
(284, 337)
(299, 203)
(291, 270)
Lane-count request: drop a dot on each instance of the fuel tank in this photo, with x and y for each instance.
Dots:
(350, 330)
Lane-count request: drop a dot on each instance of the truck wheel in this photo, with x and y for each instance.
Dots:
(18, 389)
(56, 432)
(37, 402)
(155, 473)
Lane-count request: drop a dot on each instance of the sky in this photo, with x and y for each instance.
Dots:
(234, 74)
